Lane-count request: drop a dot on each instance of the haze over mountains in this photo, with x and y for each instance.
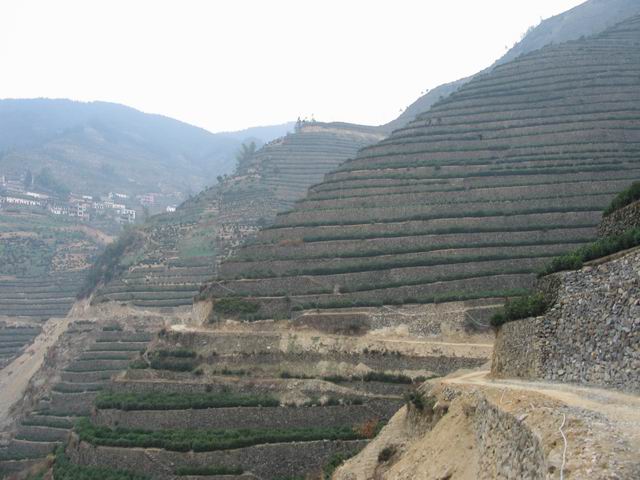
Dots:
(99, 147)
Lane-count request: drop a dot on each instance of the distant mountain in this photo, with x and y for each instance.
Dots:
(97, 146)
(261, 135)
(589, 18)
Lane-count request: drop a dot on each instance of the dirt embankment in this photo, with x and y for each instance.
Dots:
(475, 428)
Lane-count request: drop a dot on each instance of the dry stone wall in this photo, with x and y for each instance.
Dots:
(282, 460)
(620, 220)
(249, 417)
(591, 334)
(508, 448)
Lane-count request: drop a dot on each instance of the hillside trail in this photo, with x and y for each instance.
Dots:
(190, 328)
(15, 377)
(621, 409)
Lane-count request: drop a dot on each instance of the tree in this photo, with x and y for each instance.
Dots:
(245, 154)
(46, 180)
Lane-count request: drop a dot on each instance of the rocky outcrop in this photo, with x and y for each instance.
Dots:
(591, 334)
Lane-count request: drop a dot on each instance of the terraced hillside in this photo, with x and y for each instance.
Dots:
(97, 352)
(264, 400)
(13, 339)
(181, 250)
(43, 263)
(468, 200)
(588, 18)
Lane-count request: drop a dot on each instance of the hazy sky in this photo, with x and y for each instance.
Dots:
(230, 64)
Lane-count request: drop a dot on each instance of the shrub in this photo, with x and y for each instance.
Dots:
(420, 401)
(138, 364)
(63, 469)
(624, 198)
(386, 377)
(179, 353)
(386, 454)
(112, 328)
(110, 264)
(174, 360)
(368, 429)
(600, 248)
(235, 306)
(210, 470)
(336, 460)
(184, 440)
(532, 305)
(180, 401)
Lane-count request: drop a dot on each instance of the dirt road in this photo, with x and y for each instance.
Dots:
(622, 409)
(15, 377)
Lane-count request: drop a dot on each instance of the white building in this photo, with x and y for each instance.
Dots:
(21, 201)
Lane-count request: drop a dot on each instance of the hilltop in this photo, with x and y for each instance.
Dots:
(589, 18)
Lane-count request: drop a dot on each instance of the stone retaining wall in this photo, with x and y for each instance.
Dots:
(249, 417)
(507, 447)
(620, 220)
(591, 335)
(281, 460)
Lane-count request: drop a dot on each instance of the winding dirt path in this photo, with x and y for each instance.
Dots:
(15, 377)
(622, 409)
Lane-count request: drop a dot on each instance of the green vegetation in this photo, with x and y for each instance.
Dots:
(600, 248)
(624, 198)
(110, 264)
(63, 469)
(35, 241)
(46, 180)
(53, 422)
(177, 353)
(532, 305)
(371, 377)
(336, 460)
(207, 440)
(420, 401)
(235, 306)
(210, 470)
(181, 360)
(440, 298)
(181, 401)
(435, 231)
(386, 454)
(112, 328)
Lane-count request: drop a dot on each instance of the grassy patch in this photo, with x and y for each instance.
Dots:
(181, 401)
(63, 469)
(336, 460)
(532, 305)
(207, 440)
(210, 470)
(181, 360)
(624, 198)
(600, 248)
(235, 306)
